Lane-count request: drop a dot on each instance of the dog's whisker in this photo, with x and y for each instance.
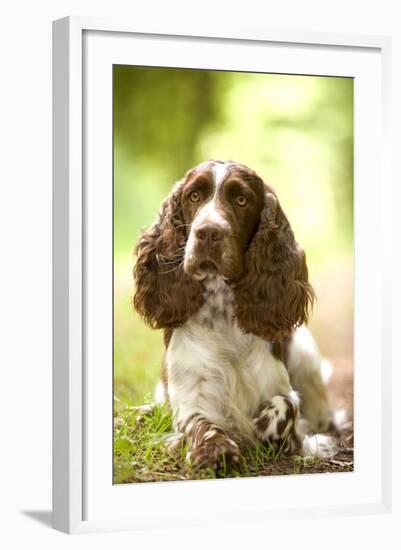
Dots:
(180, 249)
(170, 270)
(182, 225)
(172, 261)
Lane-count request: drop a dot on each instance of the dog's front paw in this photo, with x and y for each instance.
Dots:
(274, 419)
(216, 450)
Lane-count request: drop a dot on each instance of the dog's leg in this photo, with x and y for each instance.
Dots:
(305, 368)
(277, 423)
(197, 395)
(208, 444)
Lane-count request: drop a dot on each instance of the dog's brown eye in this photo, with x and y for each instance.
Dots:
(194, 196)
(241, 200)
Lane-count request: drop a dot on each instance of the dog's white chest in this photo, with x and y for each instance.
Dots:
(217, 369)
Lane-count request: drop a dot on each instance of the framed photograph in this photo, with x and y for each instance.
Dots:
(219, 336)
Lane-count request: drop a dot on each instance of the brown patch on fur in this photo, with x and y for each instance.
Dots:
(280, 349)
(265, 406)
(262, 423)
(182, 426)
(167, 334)
(281, 426)
(209, 445)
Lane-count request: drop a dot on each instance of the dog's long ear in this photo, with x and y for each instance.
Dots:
(165, 295)
(273, 294)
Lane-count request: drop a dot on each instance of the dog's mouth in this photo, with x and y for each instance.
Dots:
(208, 267)
(203, 268)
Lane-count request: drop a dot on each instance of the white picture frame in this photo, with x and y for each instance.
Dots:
(80, 44)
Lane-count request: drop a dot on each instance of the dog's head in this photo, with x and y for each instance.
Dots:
(222, 219)
(222, 204)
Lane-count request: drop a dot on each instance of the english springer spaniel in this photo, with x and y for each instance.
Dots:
(221, 273)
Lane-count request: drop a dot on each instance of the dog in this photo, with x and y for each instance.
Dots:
(222, 274)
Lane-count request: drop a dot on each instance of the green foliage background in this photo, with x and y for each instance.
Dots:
(295, 131)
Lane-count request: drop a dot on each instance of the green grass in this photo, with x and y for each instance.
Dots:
(142, 452)
(138, 350)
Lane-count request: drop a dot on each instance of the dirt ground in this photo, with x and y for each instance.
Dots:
(341, 395)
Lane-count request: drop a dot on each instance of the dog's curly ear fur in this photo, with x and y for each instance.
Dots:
(273, 294)
(165, 296)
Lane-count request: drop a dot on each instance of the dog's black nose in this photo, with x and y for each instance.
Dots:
(209, 233)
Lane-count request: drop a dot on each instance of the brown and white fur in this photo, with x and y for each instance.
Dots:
(221, 273)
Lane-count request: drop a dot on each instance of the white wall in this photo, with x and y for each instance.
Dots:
(25, 168)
